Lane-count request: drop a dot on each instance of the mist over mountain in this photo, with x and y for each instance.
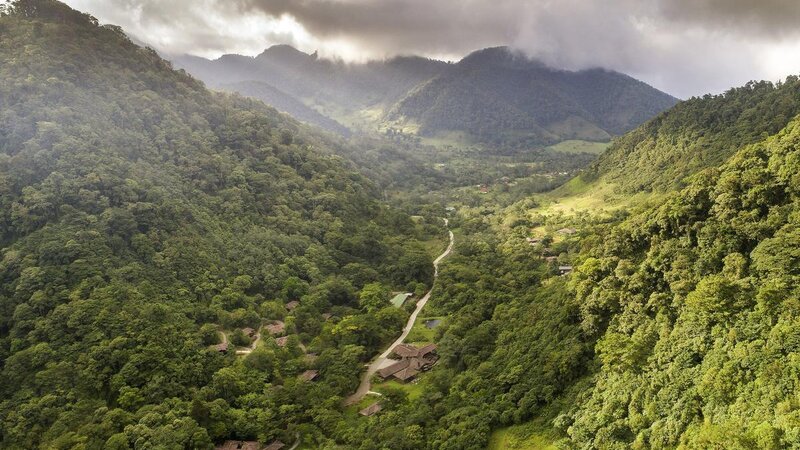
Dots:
(497, 95)
(337, 89)
(488, 254)
(492, 96)
(285, 103)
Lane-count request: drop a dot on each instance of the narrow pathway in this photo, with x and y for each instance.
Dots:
(381, 360)
(248, 350)
(296, 442)
(224, 337)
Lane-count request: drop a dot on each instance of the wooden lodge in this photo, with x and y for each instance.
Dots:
(249, 332)
(240, 445)
(412, 361)
(370, 410)
(292, 305)
(309, 375)
(222, 347)
(275, 328)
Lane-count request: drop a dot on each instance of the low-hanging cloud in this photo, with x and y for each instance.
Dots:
(686, 47)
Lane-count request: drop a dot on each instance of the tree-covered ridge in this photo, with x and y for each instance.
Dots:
(695, 307)
(140, 215)
(696, 134)
(498, 96)
(335, 88)
(285, 103)
(676, 329)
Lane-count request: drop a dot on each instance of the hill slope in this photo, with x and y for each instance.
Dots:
(496, 95)
(140, 217)
(677, 326)
(335, 88)
(285, 103)
(696, 134)
(493, 95)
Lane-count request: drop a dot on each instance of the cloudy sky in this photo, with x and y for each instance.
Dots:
(685, 47)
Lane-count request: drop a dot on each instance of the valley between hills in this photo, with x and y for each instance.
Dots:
(287, 251)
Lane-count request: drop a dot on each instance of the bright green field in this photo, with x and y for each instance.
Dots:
(522, 437)
(577, 146)
(420, 334)
(413, 389)
(598, 197)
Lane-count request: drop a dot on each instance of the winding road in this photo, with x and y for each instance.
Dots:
(381, 360)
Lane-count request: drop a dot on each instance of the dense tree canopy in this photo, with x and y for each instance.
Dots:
(142, 215)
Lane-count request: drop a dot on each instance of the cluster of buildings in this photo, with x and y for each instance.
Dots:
(410, 362)
(548, 254)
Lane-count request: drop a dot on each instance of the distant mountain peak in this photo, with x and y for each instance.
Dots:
(500, 56)
(286, 53)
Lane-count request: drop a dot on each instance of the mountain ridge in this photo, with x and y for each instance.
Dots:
(609, 102)
(528, 103)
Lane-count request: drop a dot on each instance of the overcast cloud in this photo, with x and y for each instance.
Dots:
(685, 47)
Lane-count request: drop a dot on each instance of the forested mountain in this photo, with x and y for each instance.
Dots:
(675, 325)
(492, 96)
(496, 95)
(335, 88)
(699, 133)
(145, 221)
(143, 217)
(285, 103)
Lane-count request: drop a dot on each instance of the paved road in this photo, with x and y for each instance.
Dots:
(383, 359)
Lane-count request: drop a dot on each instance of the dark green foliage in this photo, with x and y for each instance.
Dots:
(696, 134)
(694, 303)
(285, 103)
(499, 97)
(141, 214)
(677, 329)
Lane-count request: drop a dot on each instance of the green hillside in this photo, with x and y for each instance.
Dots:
(142, 216)
(285, 103)
(339, 90)
(500, 97)
(696, 134)
(676, 327)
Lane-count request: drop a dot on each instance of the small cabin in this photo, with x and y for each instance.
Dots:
(275, 328)
(249, 332)
(309, 375)
(275, 445)
(564, 270)
(371, 410)
(222, 348)
(240, 445)
(399, 299)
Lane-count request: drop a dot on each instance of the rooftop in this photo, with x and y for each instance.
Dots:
(399, 299)
(309, 375)
(371, 409)
(277, 327)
